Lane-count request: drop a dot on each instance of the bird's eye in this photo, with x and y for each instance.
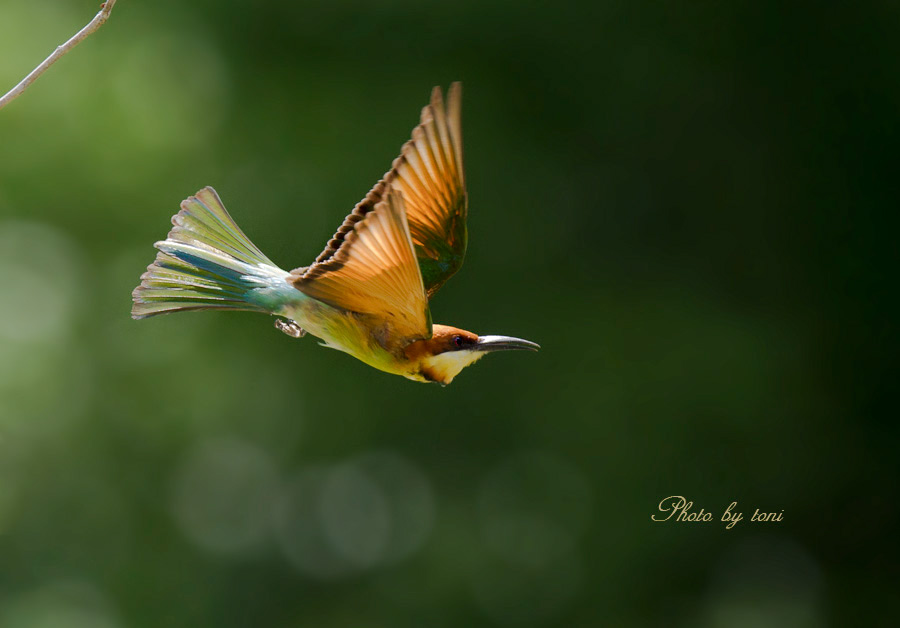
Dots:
(458, 341)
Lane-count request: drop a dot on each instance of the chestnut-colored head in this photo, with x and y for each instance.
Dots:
(450, 350)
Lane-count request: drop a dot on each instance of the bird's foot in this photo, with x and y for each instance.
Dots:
(289, 327)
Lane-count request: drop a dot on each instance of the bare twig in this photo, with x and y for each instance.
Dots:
(93, 25)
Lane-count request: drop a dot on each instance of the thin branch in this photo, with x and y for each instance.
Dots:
(93, 25)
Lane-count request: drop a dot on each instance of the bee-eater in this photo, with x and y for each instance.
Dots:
(367, 293)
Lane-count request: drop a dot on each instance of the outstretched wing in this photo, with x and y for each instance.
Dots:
(429, 174)
(372, 270)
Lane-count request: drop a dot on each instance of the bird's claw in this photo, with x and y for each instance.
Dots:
(291, 328)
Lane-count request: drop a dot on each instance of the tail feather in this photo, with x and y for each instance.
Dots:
(207, 262)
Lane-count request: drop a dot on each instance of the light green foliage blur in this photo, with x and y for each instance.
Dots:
(686, 206)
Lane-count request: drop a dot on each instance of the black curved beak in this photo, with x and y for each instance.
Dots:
(504, 343)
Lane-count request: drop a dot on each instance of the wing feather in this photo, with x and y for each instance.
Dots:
(373, 270)
(429, 175)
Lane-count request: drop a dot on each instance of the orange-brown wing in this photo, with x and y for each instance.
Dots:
(373, 270)
(429, 174)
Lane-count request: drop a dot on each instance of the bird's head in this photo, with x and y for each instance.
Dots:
(450, 350)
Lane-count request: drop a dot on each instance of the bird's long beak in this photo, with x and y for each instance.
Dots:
(504, 343)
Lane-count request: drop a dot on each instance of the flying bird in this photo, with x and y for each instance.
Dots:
(367, 293)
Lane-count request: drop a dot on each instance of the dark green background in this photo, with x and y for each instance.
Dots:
(691, 207)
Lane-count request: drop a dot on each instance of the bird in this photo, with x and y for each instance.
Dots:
(367, 293)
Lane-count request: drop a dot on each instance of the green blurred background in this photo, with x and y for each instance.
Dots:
(692, 207)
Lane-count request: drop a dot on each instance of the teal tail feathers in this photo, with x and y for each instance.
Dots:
(207, 262)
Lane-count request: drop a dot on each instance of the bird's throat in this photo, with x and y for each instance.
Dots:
(442, 368)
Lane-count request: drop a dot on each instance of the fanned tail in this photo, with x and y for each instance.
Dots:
(207, 262)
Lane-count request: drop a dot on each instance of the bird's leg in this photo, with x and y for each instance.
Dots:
(289, 327)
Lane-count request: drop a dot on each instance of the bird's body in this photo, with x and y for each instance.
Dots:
(367, 293)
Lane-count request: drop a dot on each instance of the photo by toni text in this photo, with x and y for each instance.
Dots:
(678, 508)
